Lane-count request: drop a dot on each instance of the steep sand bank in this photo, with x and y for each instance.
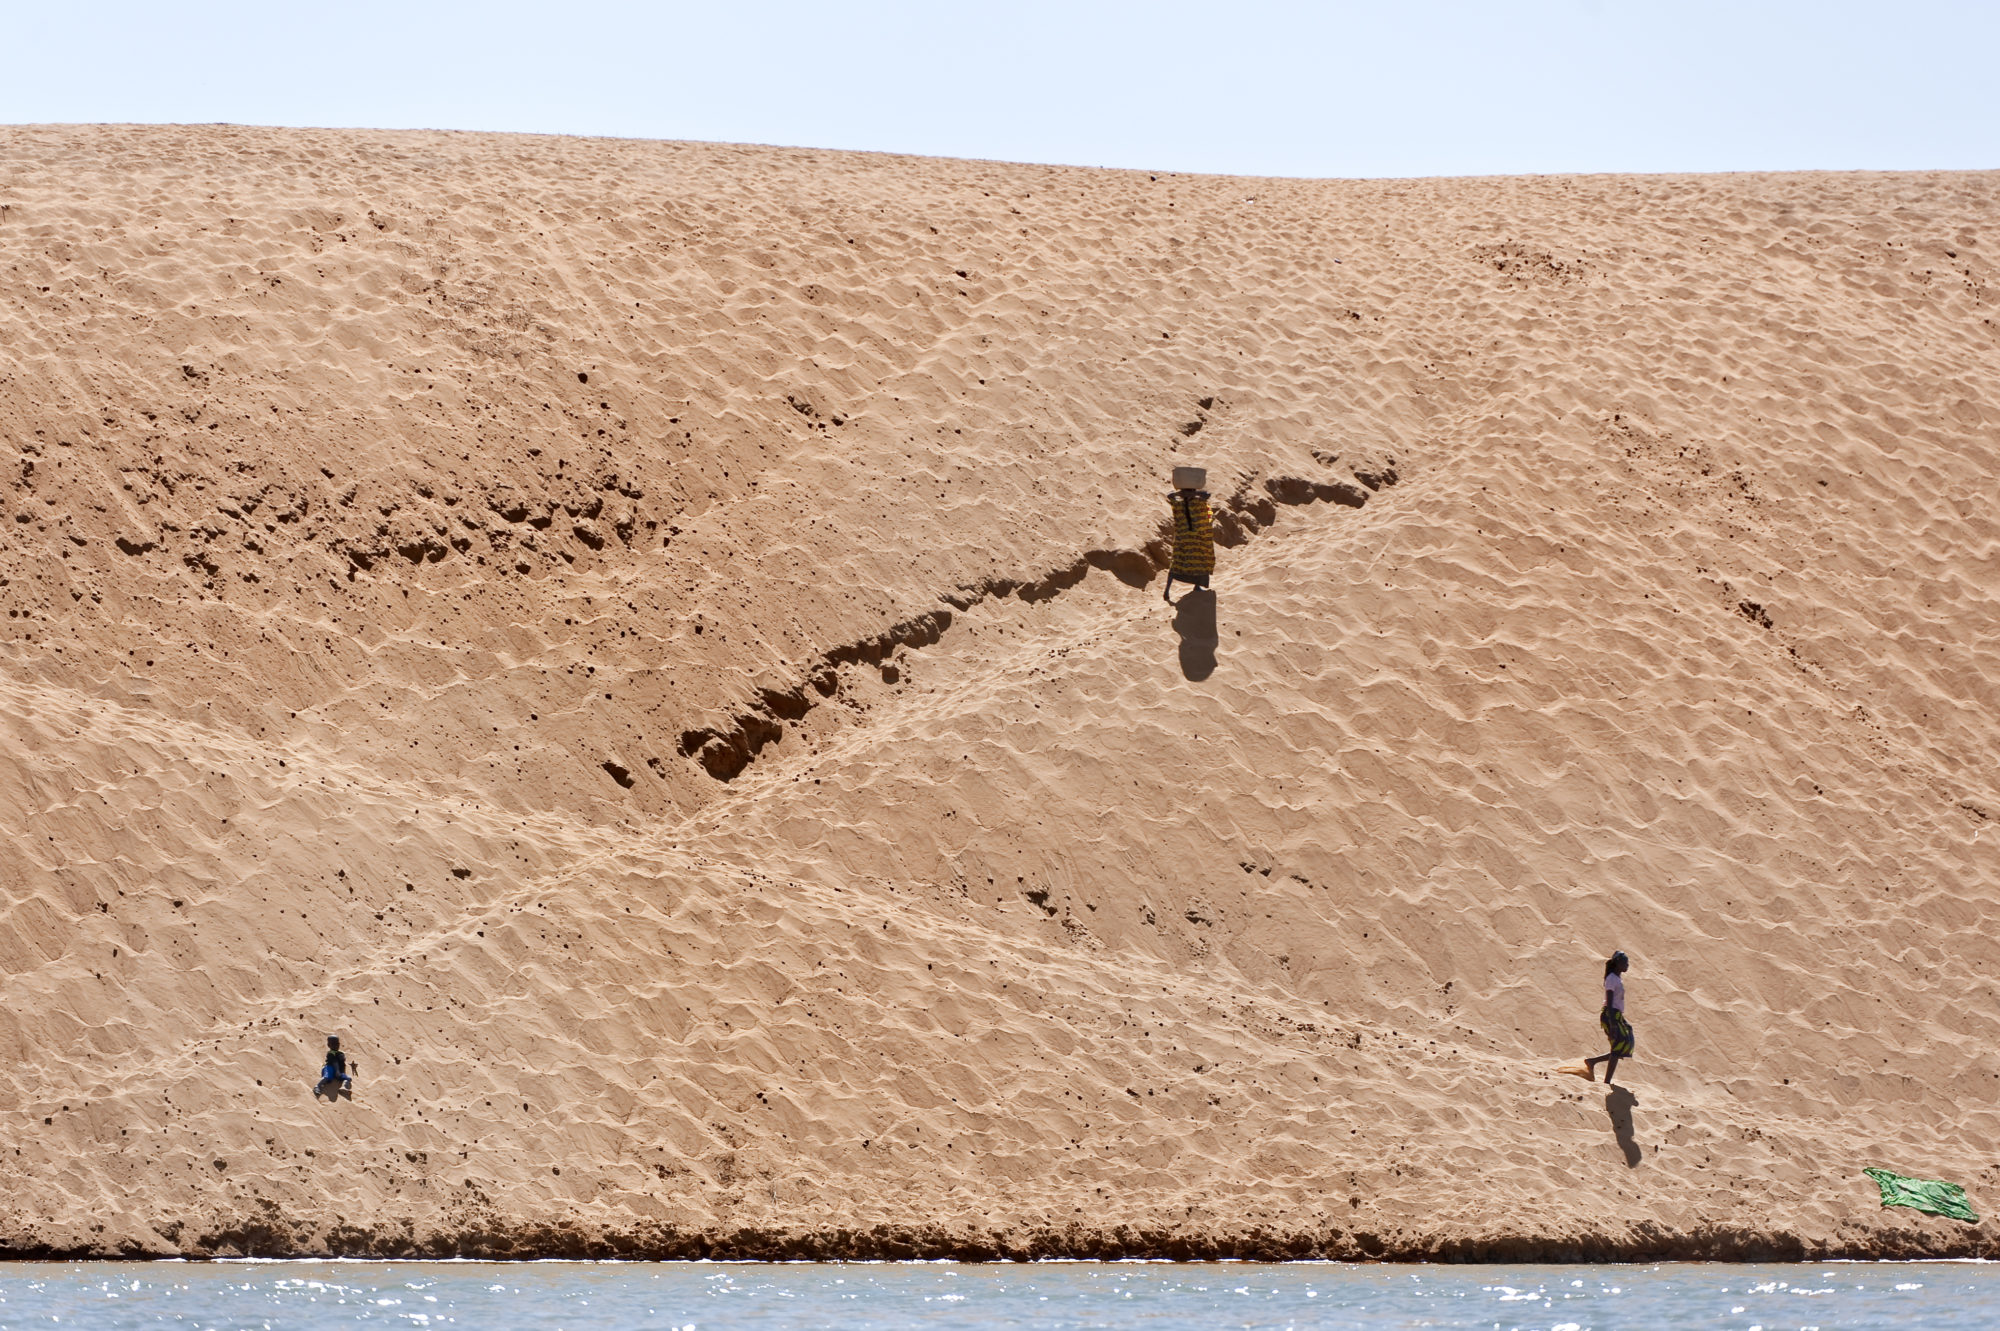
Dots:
(660, 647)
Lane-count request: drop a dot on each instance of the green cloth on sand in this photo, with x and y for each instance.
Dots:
(1923, 1194)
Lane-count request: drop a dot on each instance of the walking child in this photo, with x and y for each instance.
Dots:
(335, 1069)
(1612, 1018)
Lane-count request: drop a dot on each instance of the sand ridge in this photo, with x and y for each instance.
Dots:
(660, 647)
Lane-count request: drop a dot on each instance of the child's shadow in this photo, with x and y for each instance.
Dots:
(1194, 621)
(1618, 1105)
(332, 1089)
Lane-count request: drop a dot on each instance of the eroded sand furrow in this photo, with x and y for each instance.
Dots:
(1252, 506)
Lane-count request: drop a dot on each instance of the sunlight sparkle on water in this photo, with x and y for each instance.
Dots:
(585, 1296)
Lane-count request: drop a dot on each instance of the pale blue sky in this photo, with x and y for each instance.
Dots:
(1429, 87)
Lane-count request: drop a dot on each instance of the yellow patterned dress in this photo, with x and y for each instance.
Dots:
(1194, 537)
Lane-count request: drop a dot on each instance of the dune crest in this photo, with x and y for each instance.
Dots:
(659, 647)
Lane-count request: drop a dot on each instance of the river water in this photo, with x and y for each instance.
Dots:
(702, 1296)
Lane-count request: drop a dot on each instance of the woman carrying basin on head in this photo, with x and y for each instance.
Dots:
(1194, 530)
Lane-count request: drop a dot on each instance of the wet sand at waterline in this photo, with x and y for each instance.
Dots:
(660, 648)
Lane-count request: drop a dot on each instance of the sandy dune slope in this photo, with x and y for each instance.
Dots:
(660, 647)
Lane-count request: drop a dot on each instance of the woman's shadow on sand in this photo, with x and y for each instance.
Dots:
(1194, 621)
(1618, 1104)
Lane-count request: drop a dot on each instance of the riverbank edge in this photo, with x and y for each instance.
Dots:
(1917, 1239)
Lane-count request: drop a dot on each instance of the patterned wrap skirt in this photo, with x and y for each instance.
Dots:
(1194, 537)
(1618, 1030)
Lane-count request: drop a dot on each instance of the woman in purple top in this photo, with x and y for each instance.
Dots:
(1612, 1018)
